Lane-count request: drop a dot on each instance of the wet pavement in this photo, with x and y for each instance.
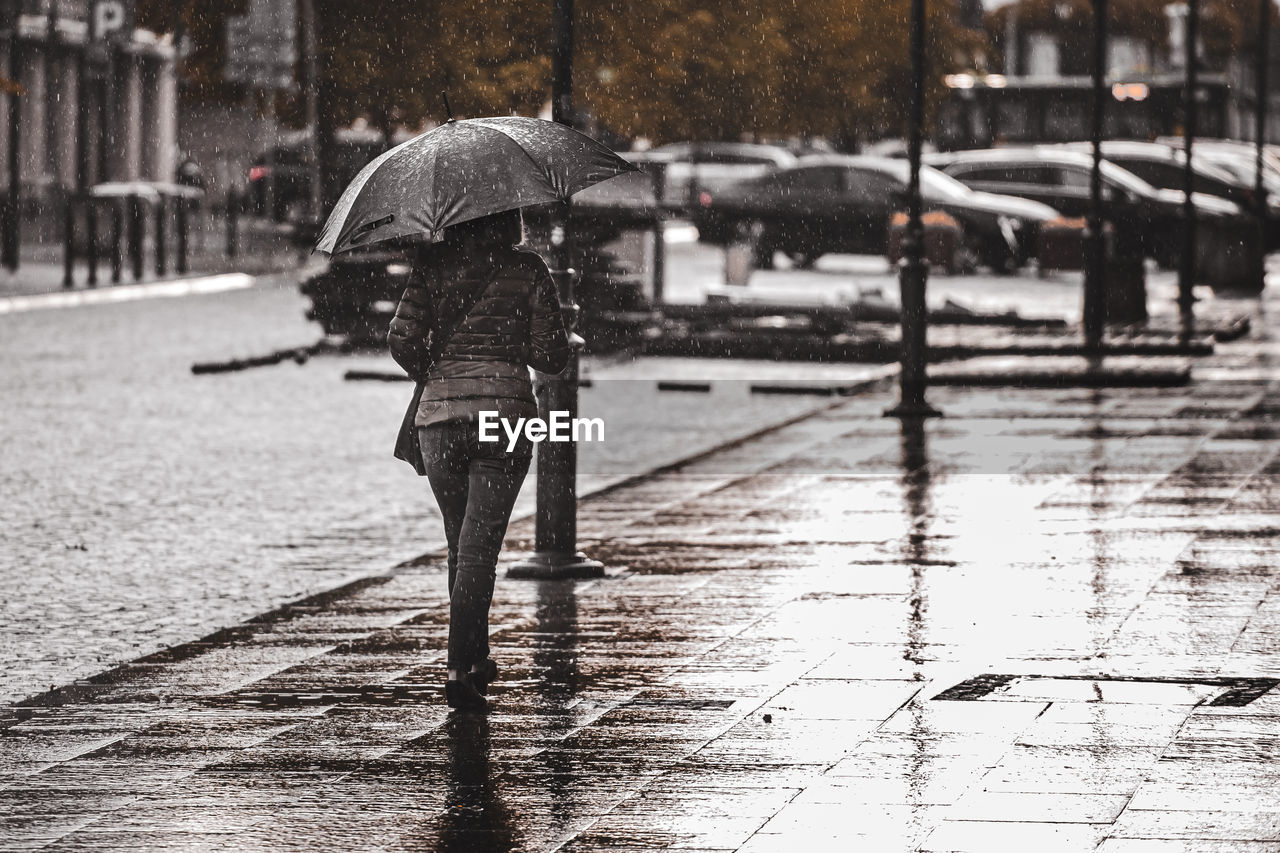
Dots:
(157, 506)
(1047, 621)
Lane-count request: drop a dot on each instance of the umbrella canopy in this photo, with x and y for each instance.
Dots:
(463, 170)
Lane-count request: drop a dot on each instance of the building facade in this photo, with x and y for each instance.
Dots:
(118, 95)
(1045, 92)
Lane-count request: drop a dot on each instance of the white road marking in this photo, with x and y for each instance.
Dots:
(126, 293)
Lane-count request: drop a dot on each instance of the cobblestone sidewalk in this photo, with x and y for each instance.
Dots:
(1048, 621)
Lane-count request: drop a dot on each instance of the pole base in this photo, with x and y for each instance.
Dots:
(912, 410)
(556, 565)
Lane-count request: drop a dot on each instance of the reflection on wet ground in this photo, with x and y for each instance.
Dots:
(1047, 621)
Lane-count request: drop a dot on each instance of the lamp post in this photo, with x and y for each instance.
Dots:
(1095, 310)
(556, 534)
(12, 232)
(310, 70)
(1261, 94)
(1187, 269)
(913, 270)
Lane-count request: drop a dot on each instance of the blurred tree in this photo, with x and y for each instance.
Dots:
(676, 70)
(388, 62)
(205, 25)
(666, 69)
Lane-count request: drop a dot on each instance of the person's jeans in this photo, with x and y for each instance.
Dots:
(475, 484)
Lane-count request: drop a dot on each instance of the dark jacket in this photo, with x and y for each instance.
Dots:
(515, 322)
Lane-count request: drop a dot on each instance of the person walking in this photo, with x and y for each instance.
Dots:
(478, 311)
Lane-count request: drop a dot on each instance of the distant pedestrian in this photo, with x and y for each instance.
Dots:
(189, 174)
(477, 313)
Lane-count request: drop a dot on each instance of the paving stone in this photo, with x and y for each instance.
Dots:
(1220, 825)
(1007, 629)
(1182, 845)
(971, 836)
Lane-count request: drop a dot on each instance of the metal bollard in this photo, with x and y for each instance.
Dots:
(68, 241)
(137, 227)
(117, 240)
(182, 235)
(740, 257)
(233, 216)
(556, 531)
(91, 226)
(659, 172)
(162, 258)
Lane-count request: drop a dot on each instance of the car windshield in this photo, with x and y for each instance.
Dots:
(1123, 178)
(939, 184)
(933, 183)
(1243, 168)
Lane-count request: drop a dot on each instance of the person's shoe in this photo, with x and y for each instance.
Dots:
(483, 674)
(462, 695)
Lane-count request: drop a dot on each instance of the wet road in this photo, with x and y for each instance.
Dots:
(146, 506)
(1046, 622)
(698, 268)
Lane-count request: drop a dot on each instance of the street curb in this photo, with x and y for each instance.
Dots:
(1078, 377)
(218, 283)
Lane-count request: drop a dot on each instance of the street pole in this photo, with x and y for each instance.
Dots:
(307, 13)
(913, 270)
(84, 163)
(52, 48)
(1187, 269)
(659, 174)
(1095, 282)
(271, 136)
(106, 107)
(556, 524)
(101, 56)
(12, 229)
(72, 193)
(1262, 93)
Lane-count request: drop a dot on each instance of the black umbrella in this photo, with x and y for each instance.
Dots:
(463, 170)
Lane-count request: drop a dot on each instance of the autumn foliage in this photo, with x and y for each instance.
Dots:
(665, 69)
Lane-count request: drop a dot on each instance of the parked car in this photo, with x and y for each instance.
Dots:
(287, 173)
(282, 172)
(1062, 179)
(842, 203)
(894, 147)
(1237, 157)
(694, 167)
(1163, 166)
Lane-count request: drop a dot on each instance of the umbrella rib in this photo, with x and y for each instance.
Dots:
(530, 157)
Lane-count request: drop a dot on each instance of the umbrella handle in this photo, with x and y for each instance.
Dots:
(447, 110)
